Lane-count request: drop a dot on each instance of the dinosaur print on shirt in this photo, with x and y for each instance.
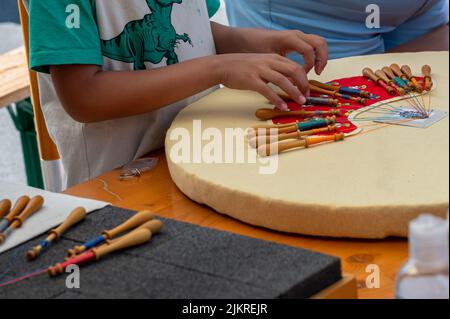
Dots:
(150, 39)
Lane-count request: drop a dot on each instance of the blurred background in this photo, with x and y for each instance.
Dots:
(11, 160)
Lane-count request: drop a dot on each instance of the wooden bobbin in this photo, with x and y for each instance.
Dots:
(76, 216)
(77, 250)
(322, 101)
(388, 72)
(271, 130)
(16, 210)
(79, 260)
(368, 73)
(407, 71)
(386, 79)
(280, 147)
(154, 226)
(19, 206)
(269, 114)
(339, 88)
(426, 71)
(135, 221)
(34, 253)
(398, 72)
(397, 80)
(5, 206)
(320, 90)
(256, 127)
(134, 238)
(269, 139)
(32, 207)
(280, 129)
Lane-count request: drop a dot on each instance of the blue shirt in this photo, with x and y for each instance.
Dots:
(343, 22)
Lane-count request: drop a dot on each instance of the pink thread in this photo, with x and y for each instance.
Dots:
(16, 280)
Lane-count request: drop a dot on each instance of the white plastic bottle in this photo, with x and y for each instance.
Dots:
(425, 275)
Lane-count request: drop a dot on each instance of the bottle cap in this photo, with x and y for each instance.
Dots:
(428, 243)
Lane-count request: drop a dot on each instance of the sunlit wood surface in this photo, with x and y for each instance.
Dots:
(155, 190)
(14, 79)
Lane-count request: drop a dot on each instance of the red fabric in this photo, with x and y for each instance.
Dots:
(357, 81)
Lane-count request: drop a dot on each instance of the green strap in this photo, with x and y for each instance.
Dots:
(23, 119)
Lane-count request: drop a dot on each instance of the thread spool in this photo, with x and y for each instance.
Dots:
(397, 80)
(341, 89)
(386, 79)
(77, 250)
(368, 73)
(134, 238)
(320, 90)
(133, 222)
(322, 101)
(76, 216)
(269, 114)
(361, 93)
(407, 71)
(289, 128)
(398, 72)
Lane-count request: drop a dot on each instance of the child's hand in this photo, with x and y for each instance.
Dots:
(255, 71)
(313, 48)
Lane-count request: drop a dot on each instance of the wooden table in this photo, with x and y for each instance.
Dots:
(14, 78)
(155, 190)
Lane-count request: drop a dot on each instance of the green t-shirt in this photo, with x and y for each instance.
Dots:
(58, 37)
(117, 35)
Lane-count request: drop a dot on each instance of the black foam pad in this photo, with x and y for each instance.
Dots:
(183, 261)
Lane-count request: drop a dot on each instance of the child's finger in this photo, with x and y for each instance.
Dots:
(321, 49)
(262, 88)
(296, 73)
(306, 50)
(285, 84)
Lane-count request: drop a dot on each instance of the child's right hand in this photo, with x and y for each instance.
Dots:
(254, 71)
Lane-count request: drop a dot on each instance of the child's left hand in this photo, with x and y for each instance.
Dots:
(313, 48)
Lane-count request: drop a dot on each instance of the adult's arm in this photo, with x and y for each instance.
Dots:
(436, 40)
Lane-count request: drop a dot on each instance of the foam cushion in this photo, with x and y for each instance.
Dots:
(184, 261)
(368, 186)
